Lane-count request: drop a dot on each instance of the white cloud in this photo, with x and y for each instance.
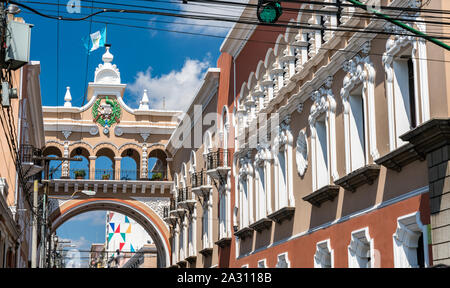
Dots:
(177, 87)
(219, 28)
(92, 218)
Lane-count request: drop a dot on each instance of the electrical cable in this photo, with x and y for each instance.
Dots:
(230, 20)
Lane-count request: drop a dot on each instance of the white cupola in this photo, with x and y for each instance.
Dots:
(143, 105)
(68, 98)
(107, 73)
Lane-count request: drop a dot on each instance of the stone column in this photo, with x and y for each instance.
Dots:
(144, 161)
(92, 167)
(117, 168)
(433, 140)
(65, 171)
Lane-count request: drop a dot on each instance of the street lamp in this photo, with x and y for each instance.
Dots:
(85, 192)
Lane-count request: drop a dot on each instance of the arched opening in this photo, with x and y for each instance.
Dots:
(55, 170)
(142, 215)
(83, 242)
(157, 165)
(105, 164)
(129, 165)
(80, 169)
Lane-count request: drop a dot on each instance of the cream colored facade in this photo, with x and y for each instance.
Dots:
(22, 135)
(106, 127)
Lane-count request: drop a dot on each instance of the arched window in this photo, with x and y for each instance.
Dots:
(129, 165)
(55, 169)
(157, 165)
(105, 164)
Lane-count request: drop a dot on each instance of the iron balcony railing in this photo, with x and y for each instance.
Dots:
(183, 194)
(107, 174)
(172, 205)
(166, 211)
(219, 158)
(199, 179)
(30, 154)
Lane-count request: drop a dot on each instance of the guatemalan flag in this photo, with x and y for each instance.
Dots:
(95, 40)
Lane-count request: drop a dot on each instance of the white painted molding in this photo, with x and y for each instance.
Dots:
(360, 250)
(324, 256)
(405, 241)
(283, 261)
(394, 45)
(360, 71)
(301, 153)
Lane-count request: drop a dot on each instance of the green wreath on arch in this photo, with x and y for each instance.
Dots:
(102, 115)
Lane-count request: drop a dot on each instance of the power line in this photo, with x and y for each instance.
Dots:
(197, 17)
(218, 26)
(304, 10)
(249, 40)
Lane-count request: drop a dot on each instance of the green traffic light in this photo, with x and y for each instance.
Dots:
(269, 12)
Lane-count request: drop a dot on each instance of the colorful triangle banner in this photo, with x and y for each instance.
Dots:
(112, 226)
(129, 229)
(118, 229)
(123, 236)
(110, 235)
(121, 246)
(131, 248)
(126, 219)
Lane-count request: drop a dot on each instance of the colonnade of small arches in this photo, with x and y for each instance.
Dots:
(106, 161)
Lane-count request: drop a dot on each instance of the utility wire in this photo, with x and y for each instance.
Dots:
(225, 27)
(354, 14)
(197, 17)
(249, 40)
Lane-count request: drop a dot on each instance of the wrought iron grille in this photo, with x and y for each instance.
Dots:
(219, 158)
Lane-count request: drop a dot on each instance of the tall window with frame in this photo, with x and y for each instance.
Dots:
(322, 176)
(261, 210)
(357, 129)
(407, 90)
(404, 96)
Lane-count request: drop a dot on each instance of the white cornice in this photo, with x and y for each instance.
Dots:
(240, 32)
(203, 96)
(35, 102)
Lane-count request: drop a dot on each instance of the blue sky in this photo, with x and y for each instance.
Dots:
(138, 52)
(169, 65)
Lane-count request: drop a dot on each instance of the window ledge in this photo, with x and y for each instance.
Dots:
(326, 193)
(171, 220)
(359, 177)
(206, 251)
(223, 242)
(429, 136)
(182, 263)
(191, 259)
(400, 157)
(244, 233)
(187, 204)
(202, 191)
(262, 224)
(282, 214)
